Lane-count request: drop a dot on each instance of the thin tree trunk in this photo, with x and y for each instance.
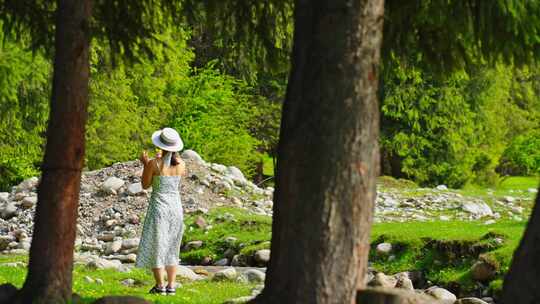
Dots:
(521, 284)
(327, 156)
(49, 278)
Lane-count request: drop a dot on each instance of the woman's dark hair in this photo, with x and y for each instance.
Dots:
(174, 161)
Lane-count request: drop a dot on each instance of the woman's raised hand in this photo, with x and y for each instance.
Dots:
(144, 157)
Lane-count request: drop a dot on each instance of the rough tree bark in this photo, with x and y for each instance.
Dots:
(49, 278)
(328, 155)
(521, 284)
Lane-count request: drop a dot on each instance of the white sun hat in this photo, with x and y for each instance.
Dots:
(168, 140)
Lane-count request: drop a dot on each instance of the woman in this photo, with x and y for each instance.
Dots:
(163, 225)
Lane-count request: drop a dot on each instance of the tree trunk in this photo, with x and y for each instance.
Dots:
(49, 276)
(522, 281)
(327, 155)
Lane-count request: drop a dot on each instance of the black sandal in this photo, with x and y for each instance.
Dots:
(158, 290)
(171, 291)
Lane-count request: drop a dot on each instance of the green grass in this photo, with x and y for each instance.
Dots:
(191, 292)
(513, 185)
(446, 260)
(251, 232)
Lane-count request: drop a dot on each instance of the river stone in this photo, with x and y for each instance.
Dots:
(384, 248)
(112, 184)
(113, 247)
(193, 245)
(477, 208)
(254, 276)
(470, 301)
(5, 240)
(193, 156)
(186, 273)
(226, 274)
(29, 202)
(222, 262)
(9, 211)
(441, 294)
(404, 283)
(99, 263)
(27, 184)
(4, 196)
(236, 174)
(218, 168)
(441, 187)
(392, 296)
(382, 280)
(130, 243)
(134, 189)
(262, 256)
(483, 271)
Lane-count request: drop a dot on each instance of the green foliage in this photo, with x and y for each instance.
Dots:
(213, 118)
(522, 156)
(24, 87)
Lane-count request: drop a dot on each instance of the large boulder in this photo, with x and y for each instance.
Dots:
(193, 156)
(441, 294)
(227, 274)
(186, 273)
(112, 185)
(9, 211)
(262, 257)
(478, 209)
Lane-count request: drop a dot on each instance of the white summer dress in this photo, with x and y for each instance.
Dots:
(163, 225)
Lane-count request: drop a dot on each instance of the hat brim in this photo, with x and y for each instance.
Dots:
(158, 143)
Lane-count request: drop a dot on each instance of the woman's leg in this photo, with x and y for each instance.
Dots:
(171, 275)
(158, 276)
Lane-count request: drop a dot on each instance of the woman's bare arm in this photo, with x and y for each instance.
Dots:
(148, 173)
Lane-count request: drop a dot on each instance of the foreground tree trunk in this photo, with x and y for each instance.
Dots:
(328, 155)
(521, 284)
(51, 254)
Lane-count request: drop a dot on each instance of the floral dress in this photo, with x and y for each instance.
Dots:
(163, 225)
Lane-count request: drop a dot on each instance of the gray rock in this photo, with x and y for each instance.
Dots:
(222, 262)
(193, 156)
(532, 190)
(27, 184)
(4, 196)
(253, 276)
(405, 283)
(236, 174)
(130, 243)
(441, 294)
(227, 274)
(112, 184)
(99, 263)
(441, 187)
(218, 168)
(135, 189)
(186, 273)
(479, 209)
(9, 211)
(262, 256)
(470, 301)
(5, 240)
(509, 199)
(193, 245)
(239, 260)
(29, 202)
(382, 280)
(113, 247)
(384, 248)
